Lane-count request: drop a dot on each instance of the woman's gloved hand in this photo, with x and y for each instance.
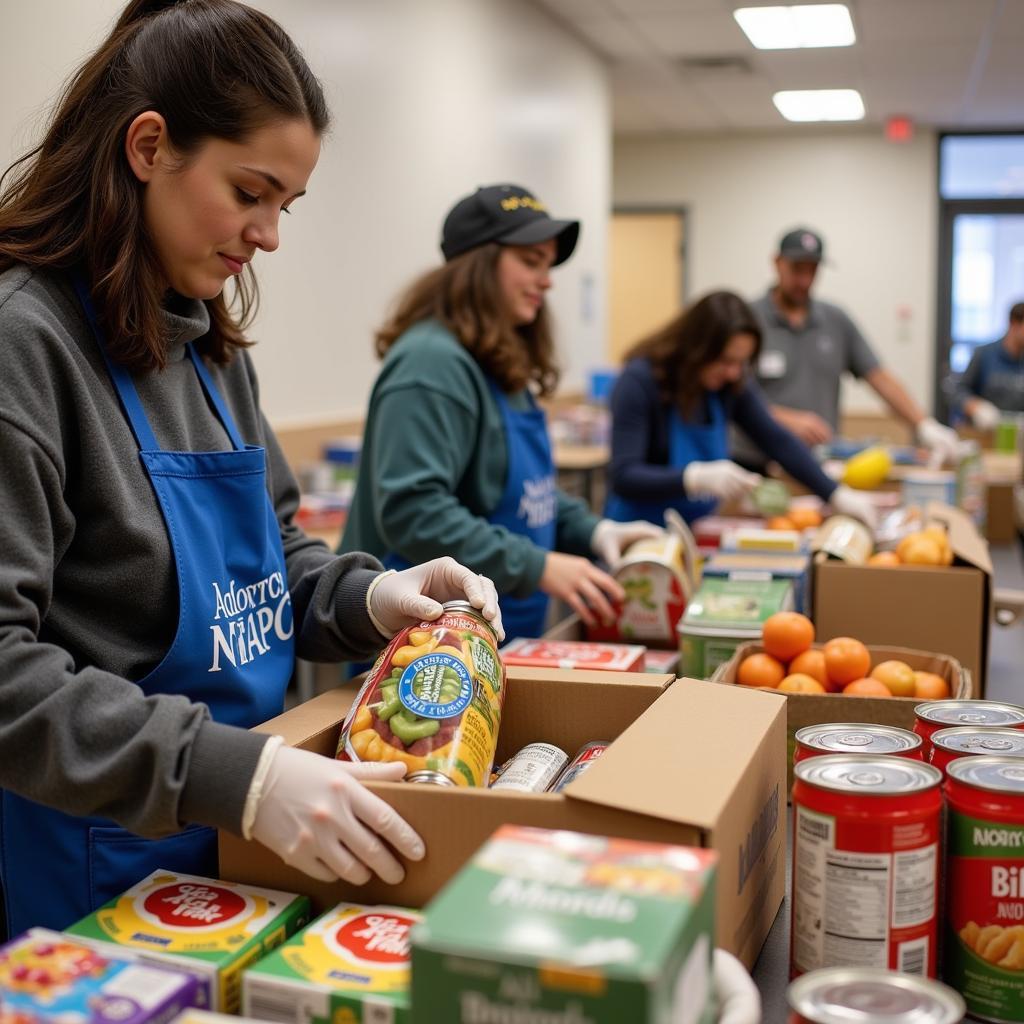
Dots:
(736, 995)
(941, 440)
(719, 479)
(399, 599)
(317, 816)
(984, 415)
(848, 502)
(610, 539)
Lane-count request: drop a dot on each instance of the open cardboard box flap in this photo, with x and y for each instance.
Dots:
(680, 755)
(967, 544)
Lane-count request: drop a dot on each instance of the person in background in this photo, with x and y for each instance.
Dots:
(994, 379)
(671, 408)
(456, 457)
(807, 347)
(154, 590)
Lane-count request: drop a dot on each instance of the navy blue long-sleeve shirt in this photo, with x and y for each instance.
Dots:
(640, 469)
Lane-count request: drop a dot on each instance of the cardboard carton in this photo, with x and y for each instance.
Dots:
(820, 708)
(925, 608)
(694, 765)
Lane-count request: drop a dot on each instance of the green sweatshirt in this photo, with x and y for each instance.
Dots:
(434, 464)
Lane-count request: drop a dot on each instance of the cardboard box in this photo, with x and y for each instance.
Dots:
(546, 653)
(1002, 473)
(820, 708)
(925, 608)
(694, 765)
(556, 926)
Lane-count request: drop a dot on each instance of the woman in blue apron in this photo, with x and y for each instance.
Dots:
(456, 457)
(153, 588)
(672, 407)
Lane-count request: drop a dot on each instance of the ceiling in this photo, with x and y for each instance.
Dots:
(685, 65)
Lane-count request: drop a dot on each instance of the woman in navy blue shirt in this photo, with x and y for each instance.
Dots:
(672, 405)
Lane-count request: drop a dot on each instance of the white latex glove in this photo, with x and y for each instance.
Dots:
(985, 415)
(317, 816)
(849, 502)
(399, 599)
(736, 995)
(943, 441)
(610, 539)
(719, 479)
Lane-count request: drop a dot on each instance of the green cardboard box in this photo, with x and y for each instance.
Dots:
(563, 927)
(350, 966)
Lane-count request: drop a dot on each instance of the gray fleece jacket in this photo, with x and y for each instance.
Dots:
(88, 594)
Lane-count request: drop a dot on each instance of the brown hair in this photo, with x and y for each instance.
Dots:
(1017, 312)
(463, 296)
(696, 337)
(212, 69)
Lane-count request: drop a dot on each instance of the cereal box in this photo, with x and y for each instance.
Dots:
(562, 927)
(46, 977)
(210, 928)
(351, 966)
(574, 654)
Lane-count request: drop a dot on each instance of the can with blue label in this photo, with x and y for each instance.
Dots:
(432, 700)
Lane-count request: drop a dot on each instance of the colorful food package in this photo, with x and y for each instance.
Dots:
(433, 700)
(551, 925)
(212, 929)
(351, 966)
(48, 978)
(574, 654)
(752, 565)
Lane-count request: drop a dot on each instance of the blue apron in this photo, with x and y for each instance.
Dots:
(687, 442)
(233, 651)
(528, 505)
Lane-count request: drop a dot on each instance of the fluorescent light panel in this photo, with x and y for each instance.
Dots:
(820, 104)
(795, 27)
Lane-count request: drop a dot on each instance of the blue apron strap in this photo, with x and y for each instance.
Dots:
(213, 395)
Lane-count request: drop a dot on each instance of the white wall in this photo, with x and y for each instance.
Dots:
(874, 203)
(430, 100)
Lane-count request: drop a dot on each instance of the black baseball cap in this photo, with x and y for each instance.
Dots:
(509, 214)
(802, 245)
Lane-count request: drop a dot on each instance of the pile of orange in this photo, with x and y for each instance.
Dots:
(799, 517)
(929, 546)
(790, 664)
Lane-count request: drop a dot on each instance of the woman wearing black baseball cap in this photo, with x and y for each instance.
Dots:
(456, 458)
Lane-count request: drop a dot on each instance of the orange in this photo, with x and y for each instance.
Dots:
(797, 682)
(787, 634)
(884, 558)
(846, 659)
(898, 676)
(929, 686)
(803, 517)
(810, 663)
(780, 523)
(760, 670)
(920, 549)
(866, 688)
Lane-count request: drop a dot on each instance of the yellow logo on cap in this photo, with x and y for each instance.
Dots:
(516, 202)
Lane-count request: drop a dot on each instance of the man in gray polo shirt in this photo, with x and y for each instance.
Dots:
(807, 345)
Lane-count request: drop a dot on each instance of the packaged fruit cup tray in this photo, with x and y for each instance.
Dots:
(820, 708)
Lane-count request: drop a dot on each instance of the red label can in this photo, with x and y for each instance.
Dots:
(856, 738)
(868, 995)
(947, 714)
(585, 757)
(949, 744)
(865, 864)
(983, 950)
(432, 700)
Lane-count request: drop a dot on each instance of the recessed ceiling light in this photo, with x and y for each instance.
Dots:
(789, 28)
(820, 104)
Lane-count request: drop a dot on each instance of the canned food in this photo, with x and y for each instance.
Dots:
(844, 538)
(429, 777)
(855, 738)
(432, 700)
(934, 715)
(949, 744)
(585, 757)
(865, 864)
(868, 995)
(983, 955)
(533, 769)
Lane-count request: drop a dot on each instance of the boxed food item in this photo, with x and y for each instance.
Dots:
(723, 614)
(656, 661)
(652, 783)
(710, 531)
(48, 978)
(752, 565)
(557, 925)
(763, 540)
(923, 607)
(212, 929)
(661, 662)
(351, 964)
(574, 654)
